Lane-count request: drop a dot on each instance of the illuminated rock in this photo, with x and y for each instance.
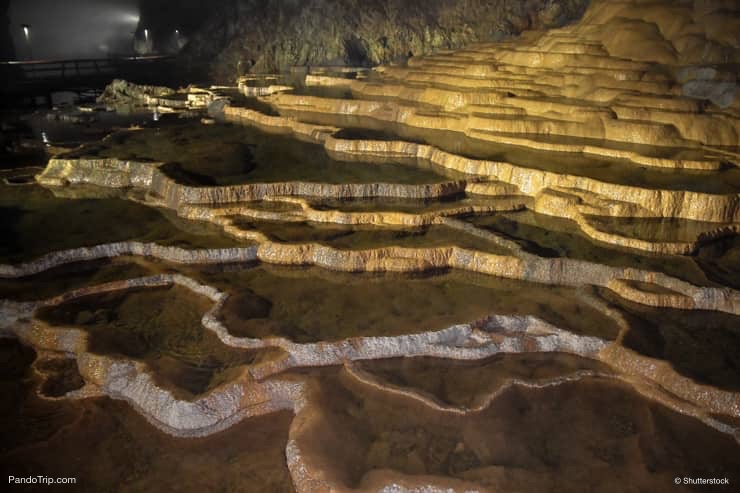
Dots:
(598, 157)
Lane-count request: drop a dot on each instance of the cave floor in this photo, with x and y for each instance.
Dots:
(468, 273)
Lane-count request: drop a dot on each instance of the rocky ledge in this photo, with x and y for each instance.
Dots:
(566, 160)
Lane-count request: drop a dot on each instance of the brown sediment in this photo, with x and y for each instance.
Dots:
(543, 192)
(544, 295)
(60, 374)
(525, 267)
(562, 195)
(468, 385)
(56, 437)
(252, 393)
(160, 327)
(373, 437)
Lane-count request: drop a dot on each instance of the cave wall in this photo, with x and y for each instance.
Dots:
(272, 35)
(163, 17)
(6, 41)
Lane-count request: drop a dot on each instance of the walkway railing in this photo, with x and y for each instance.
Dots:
(39, 77)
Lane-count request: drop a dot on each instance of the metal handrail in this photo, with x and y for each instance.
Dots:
(63, 69)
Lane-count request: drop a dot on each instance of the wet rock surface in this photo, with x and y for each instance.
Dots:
(310, 306)
(123, 92)
(371, 441)
(511, 266)
(60, 438)
(242, 36)
(172, 343)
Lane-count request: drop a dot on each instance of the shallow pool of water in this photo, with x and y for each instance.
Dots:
(720, 259)
(313, 304)
(653, 229)
(227, 154)
(701, 345)
(35, 222)
(618, 171)
(161, 327)
(107, 446)
(579, 435)
(469, 384)
(363, 237)
(66, 277)
(393, 204)
(549, 236)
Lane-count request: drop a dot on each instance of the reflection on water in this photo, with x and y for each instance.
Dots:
(549, 236)
(702, 345)
(720, 259)
(311, 304)
(160, 326)
(67, 277)
(469, 384)
(26, 418)
(592, 435)
(55, 128)
(366, 237)
(394, 204)
(108, 446)
(35, 222)
(611, 170)
(230, 154)
(653, 229)
(61, 375)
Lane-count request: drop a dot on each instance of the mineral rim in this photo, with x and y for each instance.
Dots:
(498, 268)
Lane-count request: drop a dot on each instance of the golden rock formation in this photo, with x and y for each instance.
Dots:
(621, 131)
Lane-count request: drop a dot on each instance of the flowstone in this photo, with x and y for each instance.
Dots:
(502, 267)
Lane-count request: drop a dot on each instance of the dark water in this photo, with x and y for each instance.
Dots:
(92, 126)
(469, 384)
(393, 204)
(107, 446)
(366, 237)
(161, 327)
(702, 345)
(549, 236)
(35, 222)
(312, 304)
(61, 375)
(228, 154)
(592, 435)
(653, 229)
(29, 139)
(720, 259)
(56, 281)
(610, 170)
